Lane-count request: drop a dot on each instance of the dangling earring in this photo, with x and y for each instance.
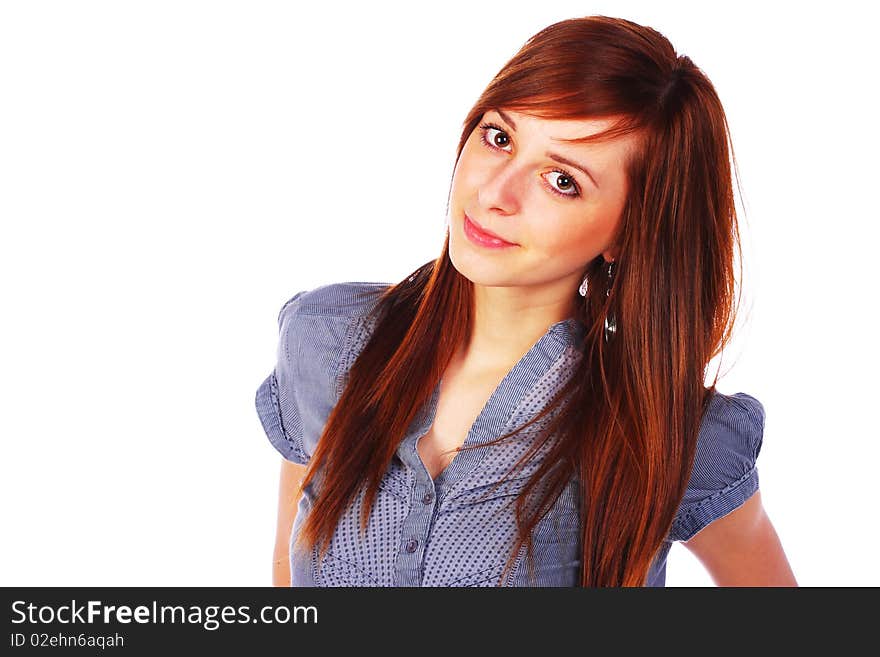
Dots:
(610, 319)
(585, 285)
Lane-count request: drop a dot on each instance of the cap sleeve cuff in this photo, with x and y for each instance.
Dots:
(269, 410)
(696, 516)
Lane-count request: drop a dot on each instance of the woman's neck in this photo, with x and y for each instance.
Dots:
(507, 323)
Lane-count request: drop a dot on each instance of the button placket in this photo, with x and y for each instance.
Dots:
(417, 525)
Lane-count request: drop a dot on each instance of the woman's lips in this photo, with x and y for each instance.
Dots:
(483, 238)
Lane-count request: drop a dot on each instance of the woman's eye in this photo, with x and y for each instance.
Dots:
(496, 137)
(564, 183)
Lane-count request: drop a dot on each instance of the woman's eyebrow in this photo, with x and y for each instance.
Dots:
(553, 156)
(507, 119)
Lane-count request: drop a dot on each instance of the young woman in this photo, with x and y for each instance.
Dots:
(529, 409)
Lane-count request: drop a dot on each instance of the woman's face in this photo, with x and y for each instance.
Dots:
(509, 180)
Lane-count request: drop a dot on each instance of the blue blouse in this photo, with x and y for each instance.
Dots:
(446, 531)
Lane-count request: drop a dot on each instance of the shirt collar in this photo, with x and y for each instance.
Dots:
(569, 331)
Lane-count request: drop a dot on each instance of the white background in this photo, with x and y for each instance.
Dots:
(172, 172)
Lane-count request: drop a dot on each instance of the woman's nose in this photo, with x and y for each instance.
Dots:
(503, 188)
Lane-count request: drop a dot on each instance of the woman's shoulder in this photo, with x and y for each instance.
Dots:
(344, 299)
(316, 333)
(731, 434)
(319, 327)
(724, 473)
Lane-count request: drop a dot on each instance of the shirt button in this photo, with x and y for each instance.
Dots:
(428, 498)
(411, 545)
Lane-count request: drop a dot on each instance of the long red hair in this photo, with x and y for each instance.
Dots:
(631, 410)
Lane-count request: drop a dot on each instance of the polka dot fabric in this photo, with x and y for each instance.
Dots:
(459, 528)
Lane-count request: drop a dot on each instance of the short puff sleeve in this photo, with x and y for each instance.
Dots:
(276, 396)
(725, 472)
